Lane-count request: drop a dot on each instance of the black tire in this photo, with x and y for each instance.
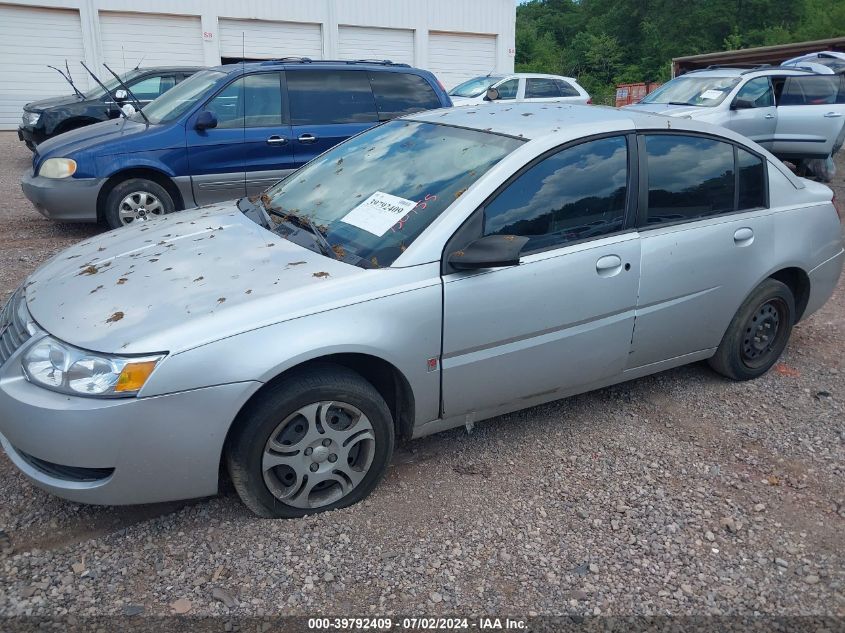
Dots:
(758, 333)
(152, 191)
(263, 417)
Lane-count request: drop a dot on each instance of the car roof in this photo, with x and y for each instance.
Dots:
(158, 69)
(746, 72)
(323, 64)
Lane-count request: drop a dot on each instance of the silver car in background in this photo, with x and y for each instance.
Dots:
(795, 114)
(429, 273)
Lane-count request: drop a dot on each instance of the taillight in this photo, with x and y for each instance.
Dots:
(590, 101)
(839, 211)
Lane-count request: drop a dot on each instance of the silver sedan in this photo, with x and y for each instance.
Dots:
(432, 272)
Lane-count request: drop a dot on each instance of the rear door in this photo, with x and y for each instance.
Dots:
(327, 107)
(809, 117)
(753, 113)
(707, 239)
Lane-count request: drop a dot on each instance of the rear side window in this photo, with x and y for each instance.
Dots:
(689, 177)
(325, 97)
(401, 93)
(566, 89)
(814, 90)
(574, 194)
(752, 180)
(539, 88)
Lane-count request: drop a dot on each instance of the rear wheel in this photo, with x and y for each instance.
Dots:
(758, 333)
(136, 200)
(320, 440)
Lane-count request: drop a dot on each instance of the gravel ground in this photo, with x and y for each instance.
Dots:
(680, 493)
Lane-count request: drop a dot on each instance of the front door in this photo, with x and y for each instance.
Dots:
(753, 113)
(327, 107)
(562, 319)
(705, 245)
(809, 117)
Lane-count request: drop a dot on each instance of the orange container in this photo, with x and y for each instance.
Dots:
(626, 94)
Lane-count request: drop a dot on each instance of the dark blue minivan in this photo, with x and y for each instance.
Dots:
(221, 134)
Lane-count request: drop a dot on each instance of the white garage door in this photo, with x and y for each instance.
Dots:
(152, 40)
(358, 42)
(456, 57)
(29, 40)
(263, 39)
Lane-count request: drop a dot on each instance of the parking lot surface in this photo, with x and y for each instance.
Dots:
(680, 493)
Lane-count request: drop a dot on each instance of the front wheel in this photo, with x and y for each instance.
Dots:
(758, 333)
(320, 440)
(136, 200)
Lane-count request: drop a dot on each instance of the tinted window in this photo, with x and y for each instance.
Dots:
(688, 177)
(757, 92)
(574, 194)
(566, 89)
(816, 90)
(752, 180)
(251, 101)
(507, 89)
(540, 89)
(324, 97)
(401, 93)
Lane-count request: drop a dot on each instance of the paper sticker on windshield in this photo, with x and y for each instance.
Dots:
(711, 94)
(379, 212)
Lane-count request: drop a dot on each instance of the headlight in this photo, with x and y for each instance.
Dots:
(57, 168)
(31, 118)
(61, 367)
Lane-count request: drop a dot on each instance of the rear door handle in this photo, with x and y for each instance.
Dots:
(769, 116)
(833, 115)
(277, 140)
(743, 236)
(307, 138)
(609, 265)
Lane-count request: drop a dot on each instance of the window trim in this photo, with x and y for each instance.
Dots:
(472, 228)
(642, 223)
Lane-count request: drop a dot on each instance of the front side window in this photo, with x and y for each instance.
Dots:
(574, 194)
(508, 89)
(325, 97)
(752, 180)
(689, 177)
(757, 92)
(251, 101)
(150, 88)
(539, 88)
(398, 94)
(693, 90)
(373, 195)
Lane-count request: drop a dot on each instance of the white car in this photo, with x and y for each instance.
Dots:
(825, 62)
(519, 87)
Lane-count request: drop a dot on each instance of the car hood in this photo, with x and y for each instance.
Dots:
(177, 282)
(109, 137)
(464, 100)
(52, 102)
(670, 110)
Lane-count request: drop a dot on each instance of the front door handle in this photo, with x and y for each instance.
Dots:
(743, 236)
(609, 265)
(277, 140)
(770, 116)
(307, 138)
(833, 115)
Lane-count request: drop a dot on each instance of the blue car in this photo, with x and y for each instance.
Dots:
(221, 134)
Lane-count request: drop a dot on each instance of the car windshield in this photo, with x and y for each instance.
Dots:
(365, 201)
(694, 91)
(177, 100)
(111, 83)
(474, 87)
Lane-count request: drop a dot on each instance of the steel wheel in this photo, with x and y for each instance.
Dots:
(763, 331)
(139, 205)
(318, 454)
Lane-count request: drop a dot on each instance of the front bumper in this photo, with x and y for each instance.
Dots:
(64, 199)
(31, 136)
(117, 451)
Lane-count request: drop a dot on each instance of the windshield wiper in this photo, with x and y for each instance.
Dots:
(304, 222)
(679, 103)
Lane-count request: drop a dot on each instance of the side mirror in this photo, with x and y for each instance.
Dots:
(120, 95)
(491, 251)
(742, 104)
(206, 120)
(492, 94)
